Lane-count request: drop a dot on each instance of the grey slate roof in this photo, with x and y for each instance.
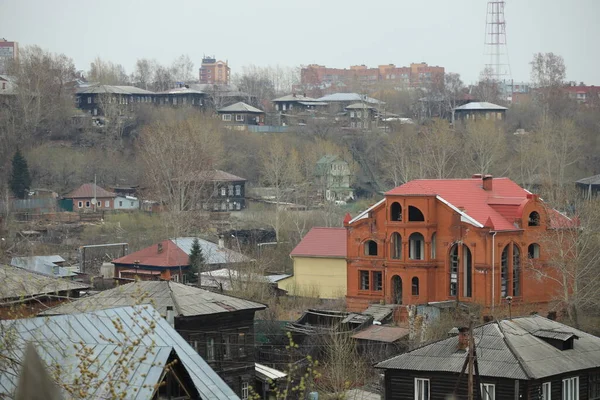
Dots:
(106, 334)
(507, 349)
(44, 265)
(349, 97)
(18, 283)
(213, 254)
(240, 106)
(294, 97)
(185, 300)
(480, 105)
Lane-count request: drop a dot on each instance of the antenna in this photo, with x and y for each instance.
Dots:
(498, 65)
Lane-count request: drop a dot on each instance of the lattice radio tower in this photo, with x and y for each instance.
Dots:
(496, 51)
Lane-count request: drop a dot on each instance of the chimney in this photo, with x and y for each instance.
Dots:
(487, 182)
(171, 316)
(159, 248)
(221, 242)
(463, 338)
(476, 176)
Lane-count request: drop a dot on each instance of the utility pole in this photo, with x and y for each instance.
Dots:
(470, 391)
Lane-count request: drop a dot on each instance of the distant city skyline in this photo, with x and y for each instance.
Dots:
(335, 33)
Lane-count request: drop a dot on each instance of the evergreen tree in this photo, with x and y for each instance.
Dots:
(196, 262)
(20, 180)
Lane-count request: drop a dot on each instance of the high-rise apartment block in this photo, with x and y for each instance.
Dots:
(214, 72)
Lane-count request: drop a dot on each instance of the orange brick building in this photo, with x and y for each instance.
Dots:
(469, 240)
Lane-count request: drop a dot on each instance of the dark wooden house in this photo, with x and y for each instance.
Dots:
(521, 358)
(181, 97)
(241, 113)
(219, 327)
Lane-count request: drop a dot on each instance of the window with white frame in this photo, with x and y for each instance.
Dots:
(210, 349)
(546, 391)
(488, 391)
(226, 117)
(87, 204)
(223, 191)
(120, 203)
(107, 203)
(238, 190)
(351, 114)
(89, 99)
(421, 389)
(239, 117)
(570, 388)
(80, 204)
(223, 206)
(244, 390)
(99, 204)
(238, 206)
(230, 190)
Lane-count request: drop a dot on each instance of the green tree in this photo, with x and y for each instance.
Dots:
(196, 262)
(20, 180)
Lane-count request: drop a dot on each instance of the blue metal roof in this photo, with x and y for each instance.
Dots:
(108, 336)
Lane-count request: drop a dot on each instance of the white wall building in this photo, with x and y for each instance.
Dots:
(126, 203)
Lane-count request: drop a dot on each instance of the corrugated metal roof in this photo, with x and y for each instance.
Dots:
(240, 106)
(507, 349)
(381, 333)
(213, 254)
(20, 283)
(134, 90)
(185, 300)
(224, 277)
(44, 265)
(554, 335)
(590, 180)
(266, 373)
(294, 97)
(106, 334)
(480, 105)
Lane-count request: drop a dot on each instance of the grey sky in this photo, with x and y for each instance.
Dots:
(336, 33)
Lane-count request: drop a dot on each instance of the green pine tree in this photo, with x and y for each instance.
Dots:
(196, 262)
(20, 180)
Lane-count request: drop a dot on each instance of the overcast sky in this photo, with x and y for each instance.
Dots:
(336, 33)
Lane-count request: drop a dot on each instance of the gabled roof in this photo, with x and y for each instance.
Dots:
(86, 191)
(294, 97)
(507, 349)
(346, 97)
(215, 175)
(44, 265)
(19, 283)
(186, 300)
(499, 206)
(107, 334)
(240, 106)
(328, 159)
(134, 89)
(323, 243)
(480, 105)
(102, 89)
(590, 180)
(224, 278)
(180, 90)
(175, 253)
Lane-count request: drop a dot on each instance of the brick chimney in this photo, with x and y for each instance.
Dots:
(159, 248)
(463, 338)
(476, 176)
(487, 182)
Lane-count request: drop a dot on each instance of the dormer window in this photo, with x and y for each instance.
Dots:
(534, 219)
(559, 339)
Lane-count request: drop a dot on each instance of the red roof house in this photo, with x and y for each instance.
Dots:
(319, 265)
(466, 240)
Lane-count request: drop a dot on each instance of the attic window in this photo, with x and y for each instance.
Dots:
(534, 219)
(560, 340)
(414, 214)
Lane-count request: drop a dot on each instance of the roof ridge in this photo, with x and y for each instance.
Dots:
(178, 308)
(512, 349)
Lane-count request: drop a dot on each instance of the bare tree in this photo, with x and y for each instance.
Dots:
(485, 145)
(548, 74)
(440, 145)
(107, 73)
(403, 158)
(487, 88)
(144, 73)
(183, 69)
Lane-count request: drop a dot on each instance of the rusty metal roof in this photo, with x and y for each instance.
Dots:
(382, 333)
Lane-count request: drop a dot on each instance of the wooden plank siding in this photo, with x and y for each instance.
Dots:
(238, 327)
(399, 385)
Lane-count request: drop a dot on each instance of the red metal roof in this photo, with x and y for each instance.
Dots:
(86, 191)
(322, 242)
(500, 206)
(170, 256)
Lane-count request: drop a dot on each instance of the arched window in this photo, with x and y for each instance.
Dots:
(415, 286)
(516, 270)
(453, 270)
(416, 244)
(396, 212)
(467, 271)
(370, 248)
(533, 251)
(415, 215)
(504, 272)
(396, 246)
(396, 289)
(433, 246)
(534, 219)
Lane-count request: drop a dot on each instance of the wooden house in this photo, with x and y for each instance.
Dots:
(241, 113)
(219, 328)
(520, 358)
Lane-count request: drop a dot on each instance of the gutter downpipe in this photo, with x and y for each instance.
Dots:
(493, 269)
